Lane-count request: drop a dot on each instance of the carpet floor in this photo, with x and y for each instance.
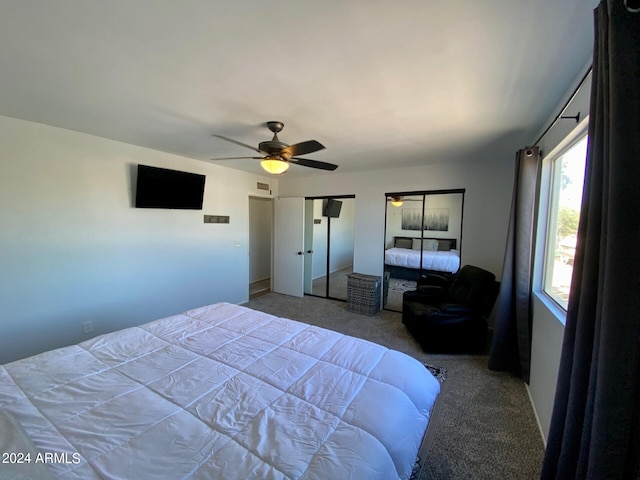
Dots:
(338, 288)
(337, 284)
(394, 295)
(485, 429)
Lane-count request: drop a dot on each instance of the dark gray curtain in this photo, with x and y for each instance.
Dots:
(511, 346)
(595, 426)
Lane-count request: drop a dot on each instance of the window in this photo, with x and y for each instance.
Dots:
(567, 178)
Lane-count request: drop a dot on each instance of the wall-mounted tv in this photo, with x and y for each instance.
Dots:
(331, 207)
(164, 188)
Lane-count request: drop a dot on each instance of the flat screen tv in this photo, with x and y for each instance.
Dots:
(164, 188)
(331, 208)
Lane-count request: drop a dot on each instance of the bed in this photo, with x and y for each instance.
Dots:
(439, 255)
(220, 391)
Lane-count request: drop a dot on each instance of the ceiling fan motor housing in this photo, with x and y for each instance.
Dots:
(272, 147)
(275, 126)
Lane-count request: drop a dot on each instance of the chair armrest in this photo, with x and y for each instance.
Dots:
(429, 294)
(435, 280)
(455, 308)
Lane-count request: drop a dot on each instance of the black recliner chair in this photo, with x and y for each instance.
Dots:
(450, 316)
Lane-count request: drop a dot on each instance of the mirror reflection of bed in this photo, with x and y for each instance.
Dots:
(423, 234)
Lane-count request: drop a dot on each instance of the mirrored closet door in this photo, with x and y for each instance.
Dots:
(329, 226)
(423, 234)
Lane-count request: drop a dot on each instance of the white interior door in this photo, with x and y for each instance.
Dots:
(288, 246)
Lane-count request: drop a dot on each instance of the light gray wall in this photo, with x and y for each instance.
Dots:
(341, 238)
(260, 222)
(488, 183)
(546, 347)
(341, 247)
(73, 249)
(548, 319)
(319, 244)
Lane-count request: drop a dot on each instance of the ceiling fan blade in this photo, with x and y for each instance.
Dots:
(302, 148)
(307, 162)
(236, 158)
(237, 143)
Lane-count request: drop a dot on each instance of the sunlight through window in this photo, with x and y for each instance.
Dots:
(564, 214)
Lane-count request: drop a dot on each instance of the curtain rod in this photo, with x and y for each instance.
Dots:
(559, 116)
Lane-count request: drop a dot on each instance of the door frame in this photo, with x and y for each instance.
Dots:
(270, 199)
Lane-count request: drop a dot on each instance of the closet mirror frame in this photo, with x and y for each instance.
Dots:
(329, 290)
(408, 275)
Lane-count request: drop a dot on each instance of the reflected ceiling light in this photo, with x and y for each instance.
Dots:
(274, 165)
(396, 201)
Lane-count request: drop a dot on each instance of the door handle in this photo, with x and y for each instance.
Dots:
(309, 251)
(299, 253)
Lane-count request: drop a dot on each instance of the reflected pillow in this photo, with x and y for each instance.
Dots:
(444, 245)
(428, 244)
(403, 242)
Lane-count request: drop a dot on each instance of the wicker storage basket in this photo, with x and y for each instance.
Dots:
(363, 293)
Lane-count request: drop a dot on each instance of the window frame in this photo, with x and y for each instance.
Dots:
(545, 203)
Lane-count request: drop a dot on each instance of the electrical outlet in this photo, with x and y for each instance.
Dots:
(87, 327)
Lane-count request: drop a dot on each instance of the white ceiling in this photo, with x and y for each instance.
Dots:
(379, 83)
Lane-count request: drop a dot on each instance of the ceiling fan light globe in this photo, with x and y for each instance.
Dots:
(274, 166)
(397, 201)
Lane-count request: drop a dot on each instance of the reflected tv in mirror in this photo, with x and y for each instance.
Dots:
(331, 208)
(164, 188)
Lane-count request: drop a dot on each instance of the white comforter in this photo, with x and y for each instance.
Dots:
(447, 261)
(222, 392)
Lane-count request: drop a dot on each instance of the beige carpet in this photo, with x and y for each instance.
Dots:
(486, 428)
(337, 284)
(338, 288)
(397, 287)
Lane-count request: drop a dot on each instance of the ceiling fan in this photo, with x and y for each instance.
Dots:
(398, 200)
(278, 155)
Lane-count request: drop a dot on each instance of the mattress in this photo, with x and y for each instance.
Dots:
(441, 261)
(222, 391)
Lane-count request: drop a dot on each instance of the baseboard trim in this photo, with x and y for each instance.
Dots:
(535, 414)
